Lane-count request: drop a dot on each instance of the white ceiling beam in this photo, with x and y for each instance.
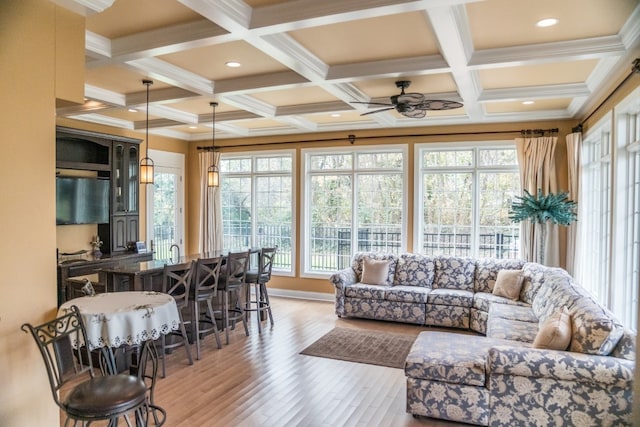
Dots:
(156, 123)
(568, 90)
(104, 95)
(96, 46)
(173, 75)
(421, 65)
(104, 120)
(450, 25)
(159, 96)
(85, 7)
(251, 104)
(169, 40)
(570, 50)
(298, 122)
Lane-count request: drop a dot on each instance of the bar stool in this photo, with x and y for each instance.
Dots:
(231, 284)
(259, 278)
(205, 285)
(176, 280)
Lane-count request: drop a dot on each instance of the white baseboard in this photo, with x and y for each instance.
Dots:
(288, 293)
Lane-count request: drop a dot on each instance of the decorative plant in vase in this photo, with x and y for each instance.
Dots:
(95, 244)
(541, 209)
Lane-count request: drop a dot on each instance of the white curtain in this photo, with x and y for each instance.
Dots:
(210, 235)
(538, 171)
(574, 147)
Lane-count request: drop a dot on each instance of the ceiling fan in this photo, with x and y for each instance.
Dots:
(411, 104)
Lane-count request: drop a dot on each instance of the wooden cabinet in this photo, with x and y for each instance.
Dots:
(125, 224)
(116, 158)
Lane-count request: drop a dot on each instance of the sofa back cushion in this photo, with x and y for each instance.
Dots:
(454, 273)
(534, 276)
(487, 271)
(358, 259)
(415, 270)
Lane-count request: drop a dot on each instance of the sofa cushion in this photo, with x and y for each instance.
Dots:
(555, 332)
(509, 329)
(414, 270)
(508, 284)
(483, 300)
(594, 329)
(513, 312)
(454, 273)
(487, 270)
(407, 293)
(358, 257)
(375, 271)
(363, 290)
(455, 297)
(449, 357)
(535, 276)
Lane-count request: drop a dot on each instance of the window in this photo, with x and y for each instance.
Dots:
(463, 195)
(355, 201)
(257, 203)
(608, 262)
(594, 211)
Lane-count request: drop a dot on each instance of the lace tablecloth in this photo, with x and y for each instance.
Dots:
(117, 318)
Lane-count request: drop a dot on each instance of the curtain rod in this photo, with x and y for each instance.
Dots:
(635, 68)
(352, 138)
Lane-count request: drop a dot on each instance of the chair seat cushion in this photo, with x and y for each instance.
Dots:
(106, 395)
(483, 300)
(509, 329)
(513, 312)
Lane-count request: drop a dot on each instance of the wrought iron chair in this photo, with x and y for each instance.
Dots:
(176, 281)
(232, 283)
(205, 285)
(68, 360)
(259, 279)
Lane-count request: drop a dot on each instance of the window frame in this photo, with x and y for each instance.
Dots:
(475, 169)
(253, 175)
(306, 174)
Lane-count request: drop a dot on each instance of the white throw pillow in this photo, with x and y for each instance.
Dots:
(508, 284)
(555, 332)
(375, 271)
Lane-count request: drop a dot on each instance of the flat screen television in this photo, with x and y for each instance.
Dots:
(82, 200)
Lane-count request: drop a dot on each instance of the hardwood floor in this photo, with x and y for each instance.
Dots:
(262, 380)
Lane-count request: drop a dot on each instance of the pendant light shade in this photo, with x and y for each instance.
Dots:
(213, 175)
(146, 164)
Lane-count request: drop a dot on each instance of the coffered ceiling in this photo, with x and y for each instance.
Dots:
(303, 62)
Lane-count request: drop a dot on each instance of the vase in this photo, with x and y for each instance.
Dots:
(97, 254)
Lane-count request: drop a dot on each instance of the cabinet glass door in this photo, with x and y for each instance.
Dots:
(118, 180)
(132, 189)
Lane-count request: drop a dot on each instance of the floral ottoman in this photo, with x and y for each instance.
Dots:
(446, 376)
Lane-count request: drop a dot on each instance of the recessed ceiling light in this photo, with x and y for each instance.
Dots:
(232, 64)
(193, 127)
(527, 102)
(132, 110)
(547, 22)
(335, 114)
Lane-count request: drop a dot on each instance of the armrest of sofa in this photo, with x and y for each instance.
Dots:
(344, 277)
(560, 365)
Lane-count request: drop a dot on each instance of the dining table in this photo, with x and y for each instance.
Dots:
(128, 323)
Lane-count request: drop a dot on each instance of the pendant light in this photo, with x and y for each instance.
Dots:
(146, 164)
(213, 176)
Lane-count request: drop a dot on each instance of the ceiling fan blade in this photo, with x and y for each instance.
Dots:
(377, 111)
(410, 98)
(386, 104)
(438, 104)
(414, 114)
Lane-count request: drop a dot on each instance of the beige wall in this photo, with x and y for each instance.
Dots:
(27, 226)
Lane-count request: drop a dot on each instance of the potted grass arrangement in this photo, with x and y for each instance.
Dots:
(540, 209)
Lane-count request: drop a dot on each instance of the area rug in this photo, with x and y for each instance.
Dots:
(356, 345)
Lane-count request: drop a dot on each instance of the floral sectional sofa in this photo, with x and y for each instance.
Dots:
(502, 375)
